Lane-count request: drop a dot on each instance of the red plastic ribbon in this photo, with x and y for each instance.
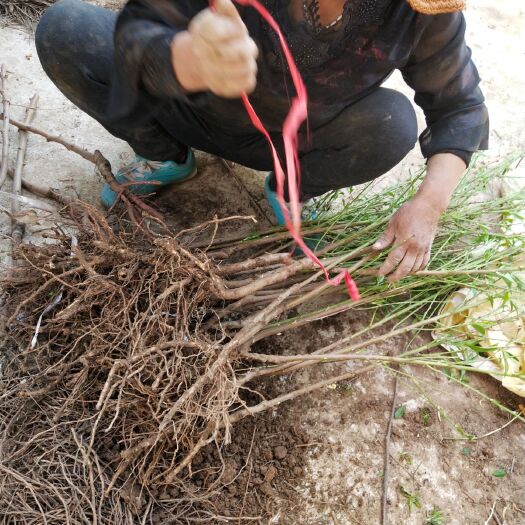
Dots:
(297, 115)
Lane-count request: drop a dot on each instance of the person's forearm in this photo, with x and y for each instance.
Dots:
(444, 171)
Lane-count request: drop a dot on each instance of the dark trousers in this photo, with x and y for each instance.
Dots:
(75, 45)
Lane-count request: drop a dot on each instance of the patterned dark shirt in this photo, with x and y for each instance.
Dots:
(338, 67)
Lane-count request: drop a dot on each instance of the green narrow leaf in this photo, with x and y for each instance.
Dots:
(400, 412)
(480, 328)
(499, 473)
(425, 416)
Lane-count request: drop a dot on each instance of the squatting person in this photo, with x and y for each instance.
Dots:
(166, 76)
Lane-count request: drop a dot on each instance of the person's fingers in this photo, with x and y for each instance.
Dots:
(404, 267)
(241, 50)
(393, 259)
(236, 52)
(234, 86)
(418, 263)
(213, 29)
(386, 239)
(426, 259)
(231, 72)
(233, 90)
(226, 8)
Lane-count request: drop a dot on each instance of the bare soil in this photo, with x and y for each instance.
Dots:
(319, 459)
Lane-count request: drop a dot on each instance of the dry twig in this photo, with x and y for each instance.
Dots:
(134, 205)
(17, 228)
(5, 118)
(386, 468)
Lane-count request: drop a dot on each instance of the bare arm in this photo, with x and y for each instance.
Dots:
(444, 171)
(446, 82)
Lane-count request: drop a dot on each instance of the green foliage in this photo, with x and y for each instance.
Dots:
(406, 458)
(499, 473)
(473, 249)
(434, 517)
(426, 415)
(399, 412)
(413, 499)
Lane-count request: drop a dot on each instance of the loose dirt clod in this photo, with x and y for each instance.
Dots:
(280, 453)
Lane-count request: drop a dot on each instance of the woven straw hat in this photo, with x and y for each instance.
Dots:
(436, 7)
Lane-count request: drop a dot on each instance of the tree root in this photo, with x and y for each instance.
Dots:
(129, 353)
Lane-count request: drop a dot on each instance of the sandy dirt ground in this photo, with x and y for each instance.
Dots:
(325, 452)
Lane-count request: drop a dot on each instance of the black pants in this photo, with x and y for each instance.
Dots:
(75, 45)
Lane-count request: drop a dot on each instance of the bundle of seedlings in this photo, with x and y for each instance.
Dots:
(131, 349)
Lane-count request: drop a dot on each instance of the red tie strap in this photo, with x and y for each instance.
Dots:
(296, 116)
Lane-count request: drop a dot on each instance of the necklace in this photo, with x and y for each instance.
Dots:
(311, 15)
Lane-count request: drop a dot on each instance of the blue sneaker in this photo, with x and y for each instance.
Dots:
(271, 197)
(313, 242)
(307, 214)
(141, 169)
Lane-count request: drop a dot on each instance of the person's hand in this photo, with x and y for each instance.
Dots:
(411, 230)
(216, 53)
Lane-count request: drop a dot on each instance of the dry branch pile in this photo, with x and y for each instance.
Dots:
(24, 12)
(128, 374)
